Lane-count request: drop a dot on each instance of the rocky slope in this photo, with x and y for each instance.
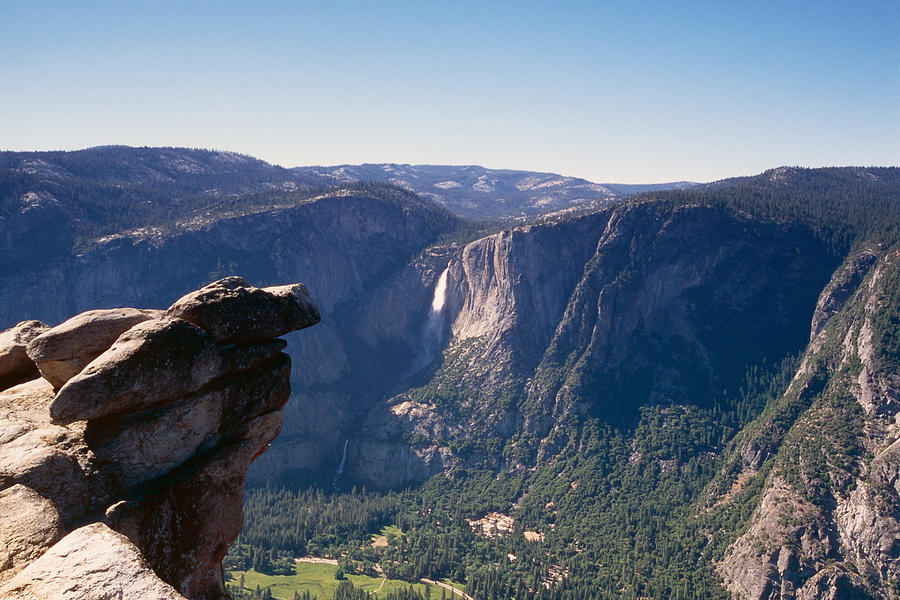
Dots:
(828, 522)
(122, 468)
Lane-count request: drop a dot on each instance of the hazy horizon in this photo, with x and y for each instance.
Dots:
(646, 93)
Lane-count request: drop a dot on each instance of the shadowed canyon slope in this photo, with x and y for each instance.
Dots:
(596, 315)
(827, 524)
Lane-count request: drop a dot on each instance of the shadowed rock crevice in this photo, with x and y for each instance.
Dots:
(138, 439)
(15, 365)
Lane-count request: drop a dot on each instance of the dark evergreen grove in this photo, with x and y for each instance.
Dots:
(619, 527)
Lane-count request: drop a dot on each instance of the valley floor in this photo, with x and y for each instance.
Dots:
(316, 576)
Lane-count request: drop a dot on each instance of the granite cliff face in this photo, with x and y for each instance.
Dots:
(122, 469)
(592, 315)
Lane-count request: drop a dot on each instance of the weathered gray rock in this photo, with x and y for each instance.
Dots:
(15, 365)
(29, 524)
(91, 563)
(885, 469)
(153, 362)
(842, 286)
(177, 460)
(63, 351)
(244, 358)
(232, 310)
(189, 552)
(155, 436)
(41, 455)
(145, 448)
(834, 583)
(48, 469)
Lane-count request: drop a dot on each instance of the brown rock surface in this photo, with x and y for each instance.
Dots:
(46, 457)
(91, 563)
(143, 448)
(264, 313)
(15, 365)
(63, 351)
(217, 484)
(29, 524)
(151, 362)
(153, 439)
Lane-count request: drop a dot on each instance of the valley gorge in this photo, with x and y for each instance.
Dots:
(738, 361)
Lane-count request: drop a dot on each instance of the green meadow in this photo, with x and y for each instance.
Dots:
(319, 580)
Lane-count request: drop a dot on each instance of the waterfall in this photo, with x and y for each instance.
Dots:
(440, 293)
(340, 469)
(429, 345)
(434, 328)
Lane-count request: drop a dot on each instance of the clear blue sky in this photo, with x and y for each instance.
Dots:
(617, 92)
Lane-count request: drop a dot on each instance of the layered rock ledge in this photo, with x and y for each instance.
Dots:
(125, 437)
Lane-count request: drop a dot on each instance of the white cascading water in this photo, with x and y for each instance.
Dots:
(432, 332)
(434, 328)
(340, 469)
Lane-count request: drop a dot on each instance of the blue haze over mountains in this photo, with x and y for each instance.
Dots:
(478, 193)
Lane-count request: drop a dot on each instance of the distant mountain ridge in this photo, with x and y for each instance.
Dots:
(195, 169)
(476, 192)
(177, 180)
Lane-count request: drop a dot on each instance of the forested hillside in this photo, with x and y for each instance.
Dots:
(845, 206)
(108, 189)
(747, 462)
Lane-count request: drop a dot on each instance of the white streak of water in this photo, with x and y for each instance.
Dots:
(340, 469)
(440, 293)
(434, 327)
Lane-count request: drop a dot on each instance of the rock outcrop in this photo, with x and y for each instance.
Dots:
(122, 469)
(91, 562)
(62, 352)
